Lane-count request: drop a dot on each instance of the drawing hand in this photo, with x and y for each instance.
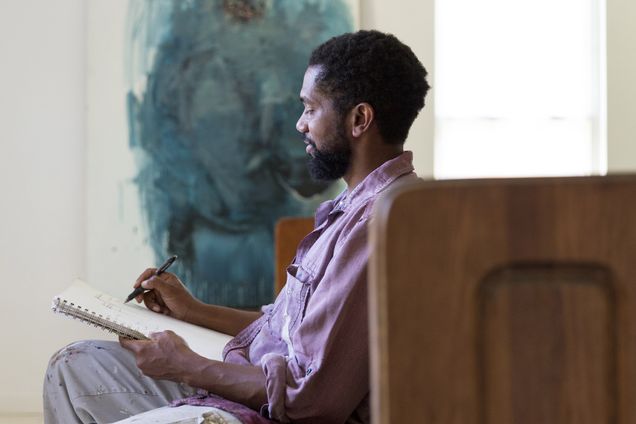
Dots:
(164, 356)
(167, 294)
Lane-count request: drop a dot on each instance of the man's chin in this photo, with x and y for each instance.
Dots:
(320, 178)
(320, 172)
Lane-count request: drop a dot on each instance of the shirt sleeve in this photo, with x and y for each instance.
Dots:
(328, 375)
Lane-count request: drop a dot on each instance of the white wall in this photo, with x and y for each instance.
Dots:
(412, 22)
(42, 186)
(621, 86)
(42, 213)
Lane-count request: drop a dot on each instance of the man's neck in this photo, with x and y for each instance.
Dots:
(365, 161)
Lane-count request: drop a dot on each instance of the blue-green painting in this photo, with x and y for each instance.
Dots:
(212, 106)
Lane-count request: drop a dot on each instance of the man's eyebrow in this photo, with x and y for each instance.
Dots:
(305, 100)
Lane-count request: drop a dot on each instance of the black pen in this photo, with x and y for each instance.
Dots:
(139, 290)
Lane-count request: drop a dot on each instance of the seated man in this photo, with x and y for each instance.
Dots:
(304, 358)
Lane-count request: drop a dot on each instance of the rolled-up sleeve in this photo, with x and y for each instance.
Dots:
(328, 375)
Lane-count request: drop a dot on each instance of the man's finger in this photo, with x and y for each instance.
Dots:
(148, 283)
(149, 272)
(131, 344)
(159, 288)
(150, 300)
(157, 334)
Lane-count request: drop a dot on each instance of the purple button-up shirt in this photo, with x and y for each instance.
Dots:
(312, 343)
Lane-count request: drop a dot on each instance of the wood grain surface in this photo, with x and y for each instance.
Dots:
(505, 301)
(288, 233)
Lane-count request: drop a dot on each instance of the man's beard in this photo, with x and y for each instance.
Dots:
(330, 165)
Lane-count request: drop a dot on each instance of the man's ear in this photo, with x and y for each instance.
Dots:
(362, 116)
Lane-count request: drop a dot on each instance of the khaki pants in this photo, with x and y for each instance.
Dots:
(99, 382)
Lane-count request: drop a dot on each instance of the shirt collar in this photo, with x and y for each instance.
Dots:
(375, 182)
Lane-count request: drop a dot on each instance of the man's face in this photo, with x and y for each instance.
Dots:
(323, 131)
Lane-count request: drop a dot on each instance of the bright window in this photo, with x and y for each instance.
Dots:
(518, 88)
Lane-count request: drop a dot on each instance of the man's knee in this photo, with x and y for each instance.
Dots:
(82, 356)
(82, 350)
(76, 375)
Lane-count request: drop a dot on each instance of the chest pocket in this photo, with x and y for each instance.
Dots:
(296, 295)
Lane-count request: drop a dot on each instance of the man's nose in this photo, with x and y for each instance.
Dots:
(301, 125)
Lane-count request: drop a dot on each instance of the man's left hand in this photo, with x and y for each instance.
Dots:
(164, 356)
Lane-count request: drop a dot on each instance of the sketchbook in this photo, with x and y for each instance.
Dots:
(85, 303)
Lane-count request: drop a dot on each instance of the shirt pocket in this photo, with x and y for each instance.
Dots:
(297, 292)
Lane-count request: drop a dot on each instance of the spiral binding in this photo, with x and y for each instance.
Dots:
(96, 320)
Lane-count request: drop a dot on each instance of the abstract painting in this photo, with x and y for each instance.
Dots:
(211, 101)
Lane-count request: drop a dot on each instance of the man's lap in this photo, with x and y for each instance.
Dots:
(99, 380)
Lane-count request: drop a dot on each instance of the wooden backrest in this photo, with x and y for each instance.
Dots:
(288, 233)
(505, 301)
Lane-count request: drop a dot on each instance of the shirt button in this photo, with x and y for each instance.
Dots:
(309, 370)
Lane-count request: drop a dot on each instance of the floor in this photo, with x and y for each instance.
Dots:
(21, 419)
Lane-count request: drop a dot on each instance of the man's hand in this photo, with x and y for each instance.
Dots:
(167, 296)
(170, 297)
(165, 356)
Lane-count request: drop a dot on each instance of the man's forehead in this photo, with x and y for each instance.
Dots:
(309, 90)
(312, 72)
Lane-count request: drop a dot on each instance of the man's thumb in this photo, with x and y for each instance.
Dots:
(156, 283)
(147, 284)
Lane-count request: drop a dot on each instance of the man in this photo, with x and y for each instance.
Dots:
(305, 357)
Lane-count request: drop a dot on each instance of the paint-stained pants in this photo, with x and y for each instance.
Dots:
(99, 382)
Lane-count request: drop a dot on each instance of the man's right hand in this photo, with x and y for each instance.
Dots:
(170, 297)
(167, 294)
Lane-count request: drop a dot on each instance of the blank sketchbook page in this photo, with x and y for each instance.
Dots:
(110, 309)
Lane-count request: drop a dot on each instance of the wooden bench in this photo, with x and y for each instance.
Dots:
(288, 233)
(505, 301)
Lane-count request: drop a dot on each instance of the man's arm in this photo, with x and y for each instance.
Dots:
(220, 318)
(166, 356)
(170, 297)
(327, 376)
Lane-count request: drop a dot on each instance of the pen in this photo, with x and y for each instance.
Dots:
(139, 290)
